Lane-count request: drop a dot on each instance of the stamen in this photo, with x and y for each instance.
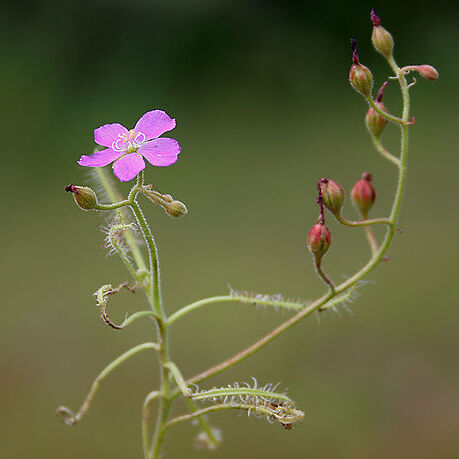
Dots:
(139, 139)
(116, 146)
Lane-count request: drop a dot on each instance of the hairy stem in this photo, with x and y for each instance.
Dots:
(363, 272)
(323, 275)
(371, 239)
(114, 196)
(138, 315)
(67, 415)
(145, 417)
(155, 287)
(203, 424)
(387, 116)
(364, 222)
(252, 300)
(383, 151)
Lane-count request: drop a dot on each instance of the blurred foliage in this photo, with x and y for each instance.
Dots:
(264, 109)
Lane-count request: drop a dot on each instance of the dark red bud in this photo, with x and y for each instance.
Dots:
(363, 194)
(332, 195)
(319, 240)
(374, 121)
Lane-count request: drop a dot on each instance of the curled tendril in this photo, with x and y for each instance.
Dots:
(102, 302)
(67, 416)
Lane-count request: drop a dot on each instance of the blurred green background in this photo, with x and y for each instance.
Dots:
(264, 109)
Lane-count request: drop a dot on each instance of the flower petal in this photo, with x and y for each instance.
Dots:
(160, 152)
(154, 123)
(109, 133)
(100, 158)
(128, 166)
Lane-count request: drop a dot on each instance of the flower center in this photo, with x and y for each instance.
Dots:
(128, 142)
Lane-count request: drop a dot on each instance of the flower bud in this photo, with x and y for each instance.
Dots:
(332, 195)
(382, 40)
(319, 240)
(374, 121)
(360, 77)
(428, 72)
(85, 198)
(175, 209)
(172, 207)
(363, 194)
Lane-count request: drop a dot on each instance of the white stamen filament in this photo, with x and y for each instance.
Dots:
(116, 146)
(139, 139)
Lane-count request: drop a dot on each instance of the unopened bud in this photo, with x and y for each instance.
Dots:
(85, 198)
(175, 209)
(172, 207)
(363, 194)
(360, 77)
(382, 40)
(428, 72)
(332, 195)
(374, 121)
(319, 240)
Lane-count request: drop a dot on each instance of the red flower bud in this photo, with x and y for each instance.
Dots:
(85, 198)
(374, 121)
(382, 40)
(332, 195)
(363, 194)
(428, 72)
(319, 240)
(360, 77)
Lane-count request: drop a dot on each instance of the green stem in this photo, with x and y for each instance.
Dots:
(322, 274)
(204, 425)
(371, 264)
(384, 114)
(138, 315)
(145, 416)
(114, 196)
(155, 286)
(252, 300)
(371, 239)
(365, 222)
(199, 413)
(383, 151)
(115, 244)
(72, 419)
(165, 402)
(179, 379)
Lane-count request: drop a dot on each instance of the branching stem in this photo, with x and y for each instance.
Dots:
(68, 416)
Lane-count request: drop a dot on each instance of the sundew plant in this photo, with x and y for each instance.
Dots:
(128, 235)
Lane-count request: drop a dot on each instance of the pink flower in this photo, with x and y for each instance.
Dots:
(126, 149)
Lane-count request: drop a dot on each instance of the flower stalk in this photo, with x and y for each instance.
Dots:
(126, 149)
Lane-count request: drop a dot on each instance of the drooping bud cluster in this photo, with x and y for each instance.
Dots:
(171, 206)
(374, 121)
(84, 196)
(382, 40)
(332, 195)
(360, 77)
(363, 194)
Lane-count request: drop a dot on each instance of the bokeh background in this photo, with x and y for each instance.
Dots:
(264, 109)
